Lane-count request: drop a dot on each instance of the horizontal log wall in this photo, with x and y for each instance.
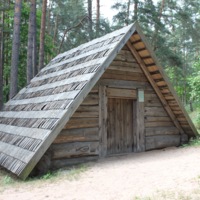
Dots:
(79, 140)
(124, 72)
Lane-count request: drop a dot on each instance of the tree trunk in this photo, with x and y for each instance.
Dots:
(34, 52)
(128, 12)
(42, 35)
(155, 35)
(1, 59)
(15, 49)
(136, 10)
(29, 72)
(98, 18)
(90, 19)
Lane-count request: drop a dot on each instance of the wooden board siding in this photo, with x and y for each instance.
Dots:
(156, 120)
(80, 136)
(120, 126)
(59, 94)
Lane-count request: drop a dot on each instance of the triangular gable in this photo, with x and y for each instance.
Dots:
(36, 115)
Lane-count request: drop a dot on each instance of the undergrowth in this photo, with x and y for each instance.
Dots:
(68, 173)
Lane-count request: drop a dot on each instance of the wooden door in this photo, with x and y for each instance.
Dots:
(120, 126)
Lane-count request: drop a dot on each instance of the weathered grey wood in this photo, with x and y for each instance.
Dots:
(79, 78)
(162, 141)
(127, 76)
(74, 149)
(128, 66)
(165, 78)
(91, 99)
(155, 111)
(94, 51)
(70, 69)
(155, 86)
(120, 126)
(157, 119)
(82, 123)
(33, 114)
(27, 132)
(125, 30)
(161, 131)
(158, 124)
(16, 152)
(81, 114)
(102, 121)
(124, 84)
(56, 164)
(115, 66)
(77, 135)
(54, 97)
(140, 129)
(121, 93)
(86, 108)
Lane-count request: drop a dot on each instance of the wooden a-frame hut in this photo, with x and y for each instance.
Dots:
(106, 97)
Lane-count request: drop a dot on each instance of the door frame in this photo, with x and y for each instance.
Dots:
(138, 115)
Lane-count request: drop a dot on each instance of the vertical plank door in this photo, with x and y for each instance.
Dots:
(120, 126)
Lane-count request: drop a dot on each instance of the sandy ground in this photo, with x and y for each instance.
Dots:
(123, 178)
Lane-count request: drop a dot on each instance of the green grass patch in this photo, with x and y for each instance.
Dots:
(68, 173)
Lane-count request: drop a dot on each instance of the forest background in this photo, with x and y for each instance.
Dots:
(32, 32)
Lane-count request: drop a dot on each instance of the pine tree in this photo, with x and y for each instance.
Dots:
(15, 49)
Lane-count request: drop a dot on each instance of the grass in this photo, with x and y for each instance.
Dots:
(70, 174)
(195, 116)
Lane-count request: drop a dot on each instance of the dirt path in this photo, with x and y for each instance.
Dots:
(171, 174)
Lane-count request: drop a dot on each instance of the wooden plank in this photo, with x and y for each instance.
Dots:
(84, 108)
(120, 63)
(81, 123)
(161, 83)
(169, 97)
(157, 119)
(139, 45)
(57, 164)
(132, 69)
(91, 99)
(153, 68)
(151, 131)
(166, 79)
(102, 121)
(155, 111)
(33, 114)
(140, 129)
(149, 61)
(124, 84)
(162, 141)
(54, 97)
(155, 86)
(75, 79)
(77, 135)
(75, 104)
(128, 29)
(144, 53)
(156, 76)
(83, 55)
(16, 152)
(34, 133)
(80, 114)
(121, 93)
(127, 77)
(74, 149)
(135, 38)
(159, 124)
(70, 69)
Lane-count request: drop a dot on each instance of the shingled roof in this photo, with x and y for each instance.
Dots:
(35, 116)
